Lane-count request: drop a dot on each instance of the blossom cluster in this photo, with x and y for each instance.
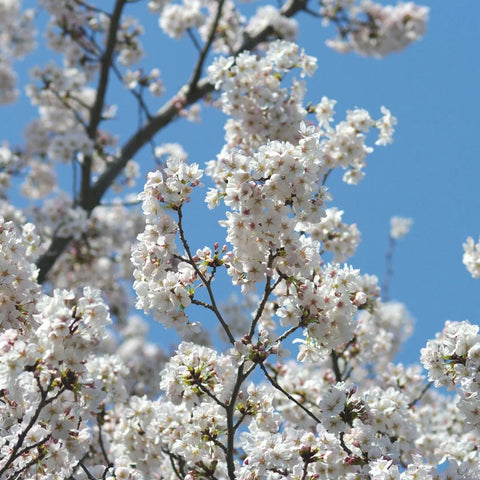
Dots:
(399, 227)
(197, 371)
(253, 94)
(163, 282)
(376, 30)
(326, 306)
(273, 186)
(48, 389)
(453, 361)
(335, 236)
(263, 110)
(18, 277)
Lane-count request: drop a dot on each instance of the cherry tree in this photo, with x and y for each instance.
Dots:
(294, 378)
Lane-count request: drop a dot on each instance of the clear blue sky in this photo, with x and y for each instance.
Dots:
(431, 173)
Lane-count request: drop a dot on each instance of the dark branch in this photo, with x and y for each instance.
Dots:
(96, 110)
(206, 48)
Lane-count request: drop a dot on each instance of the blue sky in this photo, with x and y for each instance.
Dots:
(431, 172)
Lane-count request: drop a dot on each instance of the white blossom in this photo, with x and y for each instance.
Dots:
(399, 227)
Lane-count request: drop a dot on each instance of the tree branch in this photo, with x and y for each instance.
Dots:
(231, 427)
(203, 54)
(96, 110)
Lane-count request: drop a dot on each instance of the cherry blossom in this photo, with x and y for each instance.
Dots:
(399, 227)
(296, 375)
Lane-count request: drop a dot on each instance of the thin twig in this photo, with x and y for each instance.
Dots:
(290, 397)
(101, 443)
(211, 395)
(87, 473)
(203, 279)
(266, 294)
(422, 393)
(92, 8)
(326, 175)
(194, 40)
